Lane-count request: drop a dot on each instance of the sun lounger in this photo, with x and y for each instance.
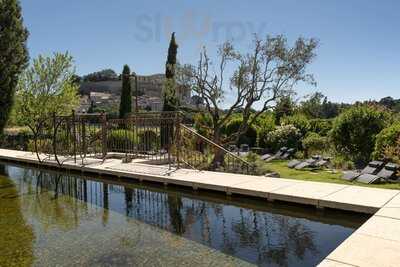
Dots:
(278, 154)
(266, 156)
(389, 171)
(293, 163)
(288, 153)
(281, 152)
(372, 168)
(367, 178)
(305, 164)
(350, 175)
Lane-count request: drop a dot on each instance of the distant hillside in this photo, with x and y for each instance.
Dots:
(113, 87)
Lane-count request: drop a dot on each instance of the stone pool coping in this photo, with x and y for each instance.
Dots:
(375, 243)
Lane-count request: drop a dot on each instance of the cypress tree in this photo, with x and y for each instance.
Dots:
(13, 54)
(171, 60)
(170, 100)
(125, 106)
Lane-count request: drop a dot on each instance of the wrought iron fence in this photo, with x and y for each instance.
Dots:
(201, 153)
(157, 138)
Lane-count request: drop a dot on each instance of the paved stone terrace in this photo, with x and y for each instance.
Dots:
(376, 243)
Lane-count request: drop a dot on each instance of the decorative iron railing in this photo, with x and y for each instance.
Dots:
(201, 153)
(158, 138)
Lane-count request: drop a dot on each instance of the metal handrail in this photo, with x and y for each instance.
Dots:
(215, 144)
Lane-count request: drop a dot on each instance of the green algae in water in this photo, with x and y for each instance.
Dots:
(70, 232)
(16, 236)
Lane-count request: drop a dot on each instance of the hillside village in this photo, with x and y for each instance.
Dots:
(103, 94)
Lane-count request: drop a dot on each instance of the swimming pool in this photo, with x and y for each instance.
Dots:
(49, 217)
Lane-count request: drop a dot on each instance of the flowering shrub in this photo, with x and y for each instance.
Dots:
(285, 135)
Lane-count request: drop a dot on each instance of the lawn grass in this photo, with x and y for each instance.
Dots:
(326, 176)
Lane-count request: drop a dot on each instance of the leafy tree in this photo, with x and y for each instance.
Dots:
(285, 106)
(125, 106)
(44, 89)
(312, 107)
(13, 55)
(390, 103)
(260, 77)
(249, 137)
(317, 106)
(354, 131)
(103, 75)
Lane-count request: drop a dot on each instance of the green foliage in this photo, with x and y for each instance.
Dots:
(148, 140)
(321, 126)
(392, 152)
(298, 120)
(258, 165)
(342, 163)
(13, 55)
(386, 139)
(118, 139)
(286, 135)
(99, 76)
(284, 107)
(266, 124)
(317, 106)
(313, 143)
(125, 106)
(354, 131)
(171, 59)
(170, 99)
(233, 126)
(203, 124)
(46, 88)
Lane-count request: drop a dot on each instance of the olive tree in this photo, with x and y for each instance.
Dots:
(45, 89)
(267, 72)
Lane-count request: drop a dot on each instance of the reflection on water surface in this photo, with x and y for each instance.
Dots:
(52, 218)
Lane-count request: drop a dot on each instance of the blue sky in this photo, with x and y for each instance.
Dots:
(358, 57)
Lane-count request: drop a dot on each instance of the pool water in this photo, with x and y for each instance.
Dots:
(50, 218)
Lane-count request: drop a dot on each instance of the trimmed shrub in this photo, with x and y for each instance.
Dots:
(286, 135)
(119, 139)
(385, 139)
(313, 143)
(354, 132)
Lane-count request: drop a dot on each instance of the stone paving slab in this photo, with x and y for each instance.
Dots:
(306, 192)
(359, 199)
(381, 227)
(260, 188)
(391, 209)
(331, 263)
(367, 251)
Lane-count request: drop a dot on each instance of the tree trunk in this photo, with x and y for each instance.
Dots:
(218, 153)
